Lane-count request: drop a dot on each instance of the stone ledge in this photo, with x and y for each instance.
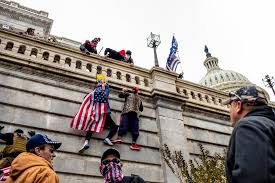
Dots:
(206, 136)
(72, 143)
(36, 121)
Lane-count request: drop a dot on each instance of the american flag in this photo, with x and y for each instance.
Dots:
(172, 60)
(92, 113)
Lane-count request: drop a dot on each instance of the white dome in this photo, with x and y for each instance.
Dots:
(224, 80)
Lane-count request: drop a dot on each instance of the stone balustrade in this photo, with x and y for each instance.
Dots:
(202, 96)
(77, 62)
(122, 74)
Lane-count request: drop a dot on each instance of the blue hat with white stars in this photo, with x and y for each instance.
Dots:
(40, 139)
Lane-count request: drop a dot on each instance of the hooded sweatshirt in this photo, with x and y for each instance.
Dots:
(30, 168)
(251, 150)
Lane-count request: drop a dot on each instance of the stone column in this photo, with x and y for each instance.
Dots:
(168, 106)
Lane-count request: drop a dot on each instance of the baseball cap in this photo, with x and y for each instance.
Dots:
(108, 152)
(136, 89)
(40, 139)
(248, 94)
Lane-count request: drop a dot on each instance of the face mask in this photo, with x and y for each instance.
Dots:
(111, 170)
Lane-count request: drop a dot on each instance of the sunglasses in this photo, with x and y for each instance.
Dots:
(106, 162)
(234, 97)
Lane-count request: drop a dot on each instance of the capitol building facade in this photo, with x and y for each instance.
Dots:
(43, 79)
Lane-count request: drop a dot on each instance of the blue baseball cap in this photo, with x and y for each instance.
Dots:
(40, 139)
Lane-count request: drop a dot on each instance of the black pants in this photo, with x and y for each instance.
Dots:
(86, 49)
(129, 122)
(109, 123)
(113, 54)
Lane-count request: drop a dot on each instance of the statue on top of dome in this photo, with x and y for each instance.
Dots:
(207, 52)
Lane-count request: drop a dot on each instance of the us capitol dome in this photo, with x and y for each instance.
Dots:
(217, 78)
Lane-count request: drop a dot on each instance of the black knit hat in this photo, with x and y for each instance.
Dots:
(19, 131)
(108, 152)
(128, 52)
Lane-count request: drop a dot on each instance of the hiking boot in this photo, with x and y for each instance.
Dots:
(84, 147)
(117, 140)
(135, 147)
(107, 141)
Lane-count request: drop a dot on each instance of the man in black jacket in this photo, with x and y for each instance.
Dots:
(111, 169)
(115, 54)
(251, 150)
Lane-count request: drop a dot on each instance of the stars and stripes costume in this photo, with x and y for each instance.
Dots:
(92, 113)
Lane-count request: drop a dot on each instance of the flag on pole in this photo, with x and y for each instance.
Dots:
(172, 60)
(92, 113)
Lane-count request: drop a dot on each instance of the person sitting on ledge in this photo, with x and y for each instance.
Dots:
(90, 46)
(111, 169)
(114, 54)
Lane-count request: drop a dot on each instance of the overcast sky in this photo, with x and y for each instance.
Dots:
(240, 33)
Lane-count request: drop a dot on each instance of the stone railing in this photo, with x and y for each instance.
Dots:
(43, 53)
(202, 96)
(70, 61)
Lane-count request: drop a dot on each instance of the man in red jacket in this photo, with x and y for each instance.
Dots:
(90, 46)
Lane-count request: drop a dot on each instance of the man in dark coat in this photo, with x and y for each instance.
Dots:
(251, 150)
(111, 169)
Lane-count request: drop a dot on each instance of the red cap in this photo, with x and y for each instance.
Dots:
(136, 89)
(122, 52)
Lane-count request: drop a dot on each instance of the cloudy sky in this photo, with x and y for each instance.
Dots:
(240, 33)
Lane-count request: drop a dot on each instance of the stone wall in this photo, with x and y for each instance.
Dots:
(43, 95)
(47, 106)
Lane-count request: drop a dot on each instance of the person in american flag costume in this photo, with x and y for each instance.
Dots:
(95, 114)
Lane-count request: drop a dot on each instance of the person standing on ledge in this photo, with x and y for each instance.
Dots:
(251, 150)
